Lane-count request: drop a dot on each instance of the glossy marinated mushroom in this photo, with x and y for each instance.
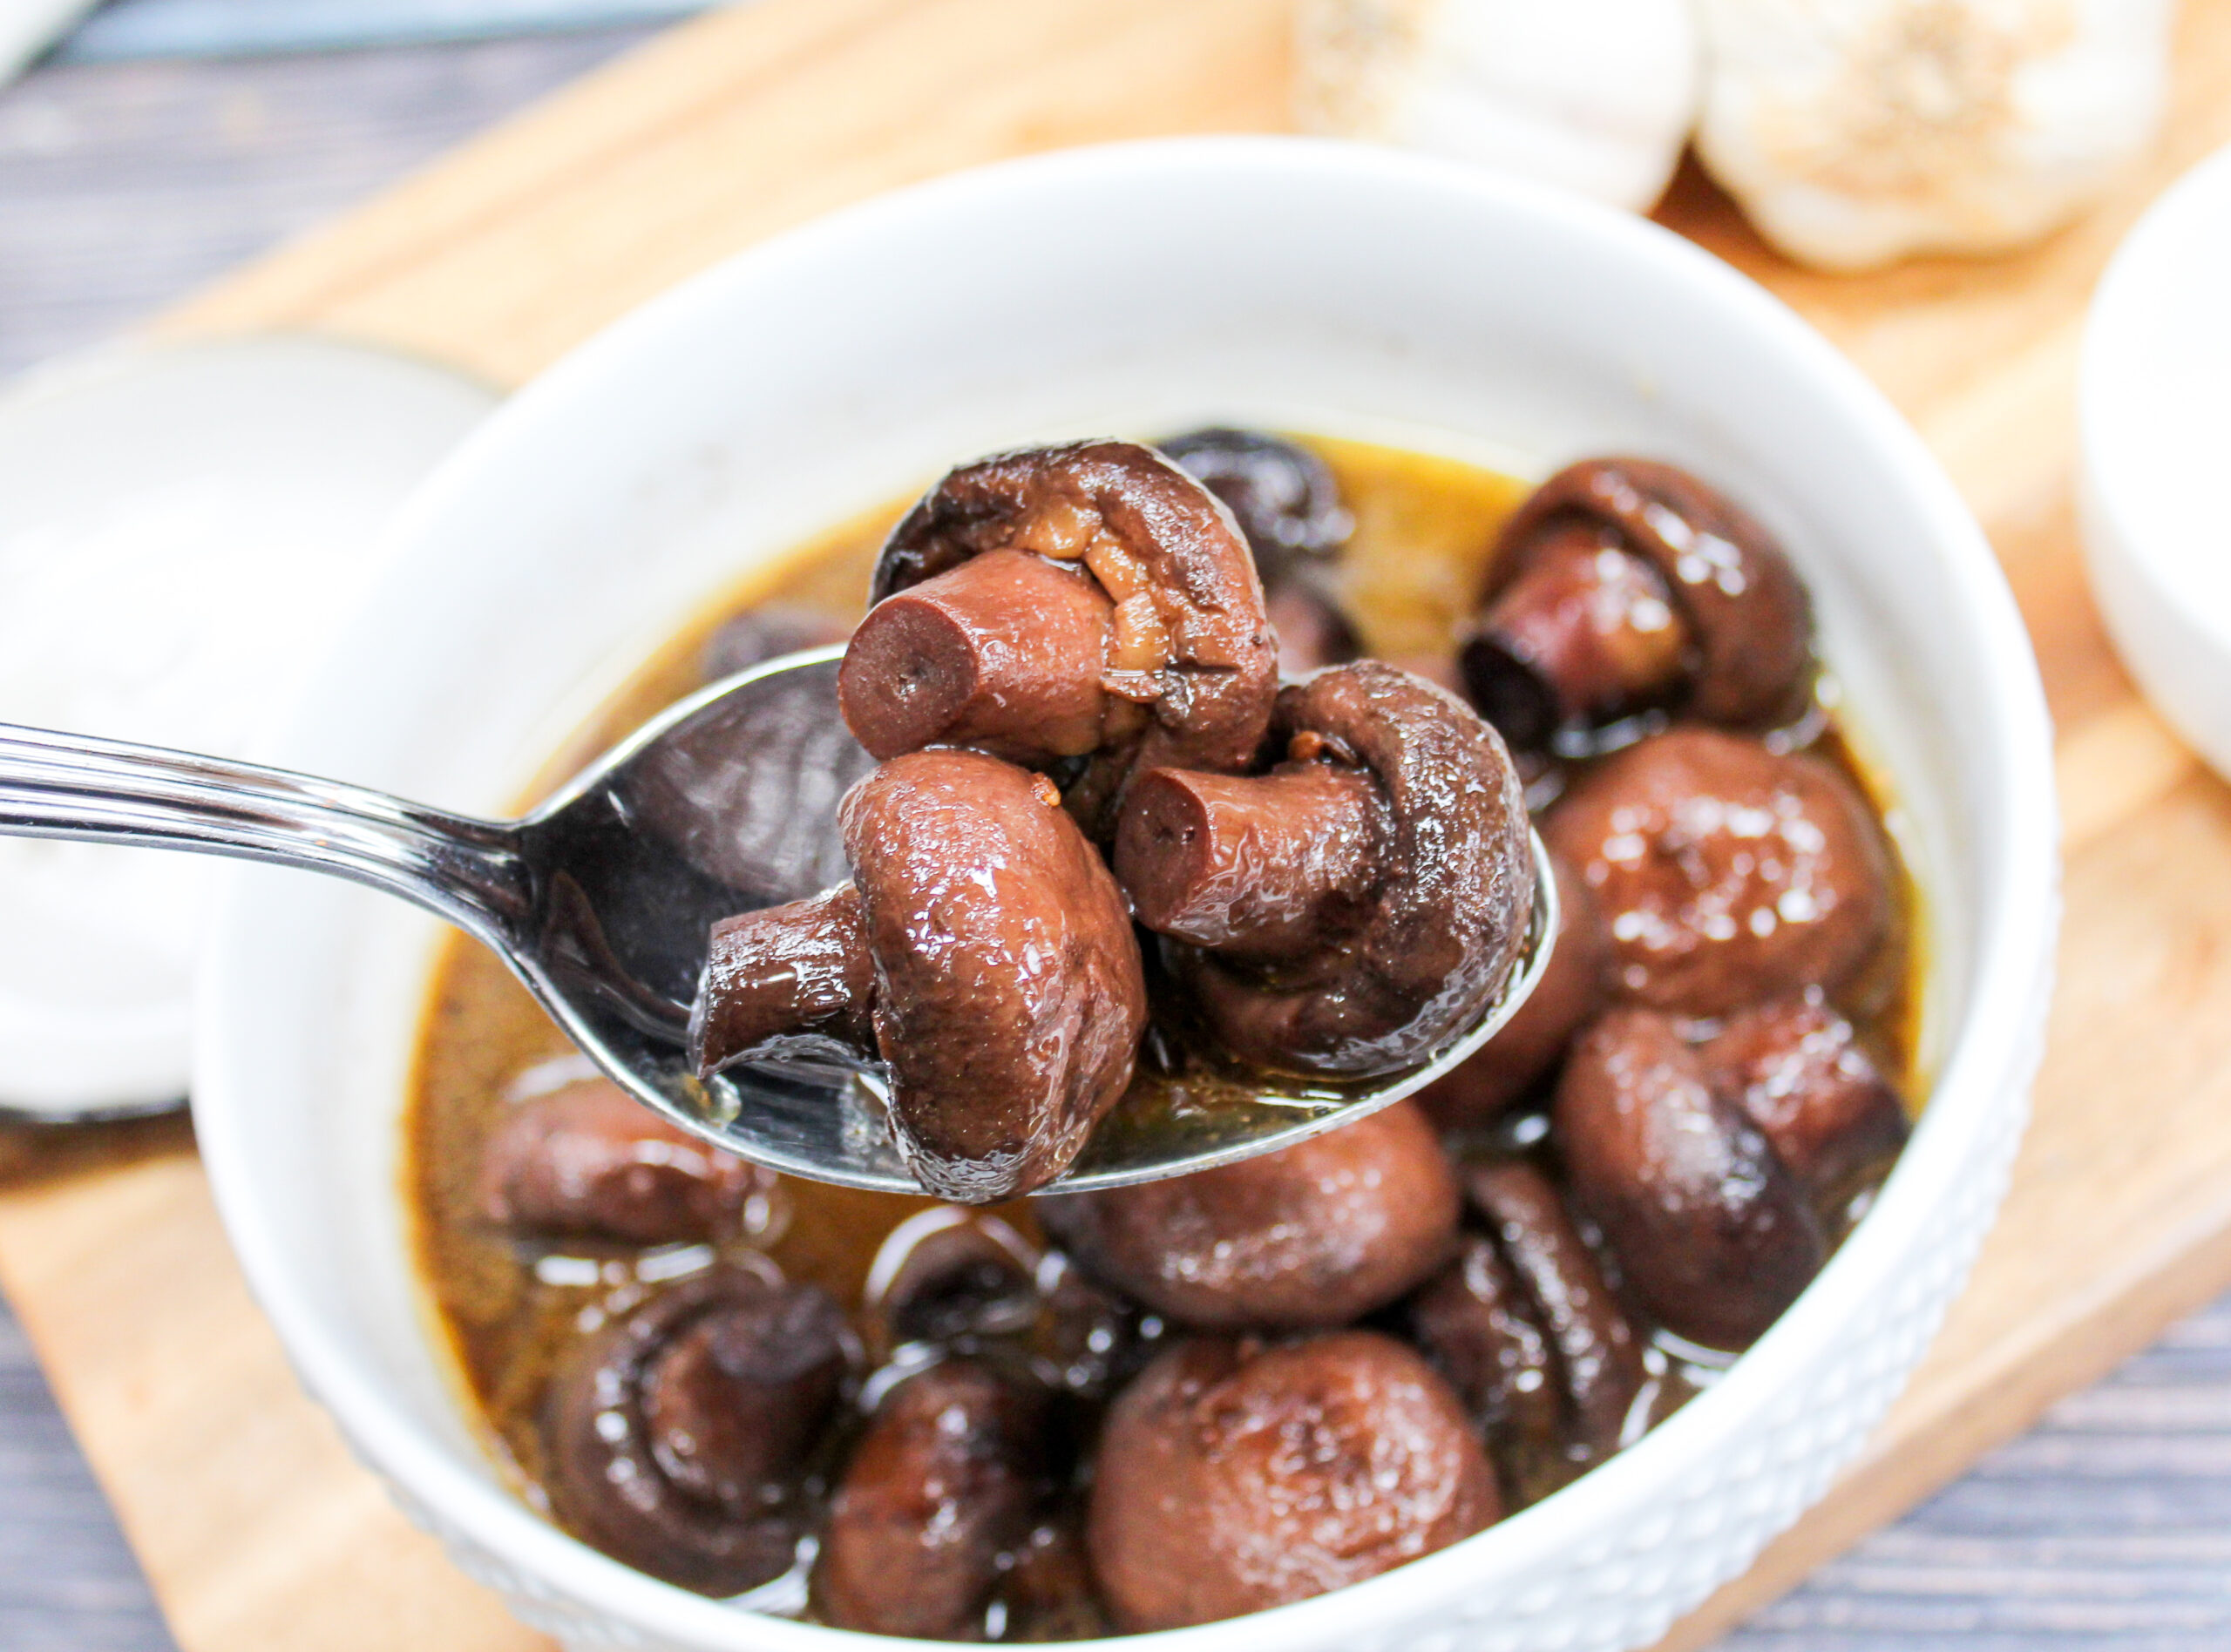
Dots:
(949, 1275)
(940, 1493)
(1725, 874)
(1064, 602)
(983, 948)
(589, 1161)
(678, 1438)
(1797, 1068)
(1482, 1087)
(1474, 1323)
(1622, 585)
(1234, 1476)
(1598, 1359)
(1712, 1233)
(1315, 1235)
(1359, 907)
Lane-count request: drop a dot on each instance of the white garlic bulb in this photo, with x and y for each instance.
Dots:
(1854, 133)
(1594, 96)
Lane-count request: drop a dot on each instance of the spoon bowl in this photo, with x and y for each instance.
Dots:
(601, 899)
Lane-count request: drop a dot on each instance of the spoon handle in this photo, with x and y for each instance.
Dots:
(109, 791)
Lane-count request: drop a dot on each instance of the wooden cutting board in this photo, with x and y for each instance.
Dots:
(256, 1529)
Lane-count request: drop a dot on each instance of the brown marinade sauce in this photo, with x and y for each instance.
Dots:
(1423, 527)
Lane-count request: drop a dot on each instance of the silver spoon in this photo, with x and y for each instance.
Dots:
(600, 899)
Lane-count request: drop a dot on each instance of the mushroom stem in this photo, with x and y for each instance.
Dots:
(1253, 867)
(802, 970)
(1586, 632)
(1003, 652)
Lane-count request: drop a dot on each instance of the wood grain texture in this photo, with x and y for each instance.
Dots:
(744, 124)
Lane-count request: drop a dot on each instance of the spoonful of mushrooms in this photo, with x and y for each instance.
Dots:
(866, 914)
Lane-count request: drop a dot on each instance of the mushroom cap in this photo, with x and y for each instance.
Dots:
(1214, 695)
(676, 1434)
(1713, 1233)
(1312, 1235)
(1725, 873)
(1009, 999)
(1748, 610)
(1449, 917)
(941, 1488)
(1801, 1074)
(1598, 1358)
(1234, 1476)
(590, 1161)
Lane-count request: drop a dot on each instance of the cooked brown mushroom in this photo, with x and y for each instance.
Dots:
(1314, 1234)
(1480, 1089)
(678, 1435)
(1357, 908)
(1712, 1233)
(952, 1275)
(940, 1490)
(1475, 1323)
(1725, 874)
(1234, 1476)
(587, 1161)
(1058, 602)
(1797, 1068)
(1284, 497)
(1598, 1358)
(983, 943)
(1625, 584)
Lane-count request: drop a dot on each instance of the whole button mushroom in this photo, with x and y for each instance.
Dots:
(1476, 1325)
(940, 1490)
(1712, 1233)
(677, 1437)
(982, 945)
(587, 1161)
(1234, 1476)
(1359, 906)
(1055, 603)
(1599, 1361)
(1725, 873)
(1480, 1089)
(1798, 1070)
(1625, 584)
(1318, 1234)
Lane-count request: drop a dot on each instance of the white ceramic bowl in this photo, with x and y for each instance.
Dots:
(1138, 289)
(2156, 431)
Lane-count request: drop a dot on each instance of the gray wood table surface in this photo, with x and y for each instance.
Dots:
(123, 184)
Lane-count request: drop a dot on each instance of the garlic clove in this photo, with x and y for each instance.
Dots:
(1855, 133)
(1593, 96)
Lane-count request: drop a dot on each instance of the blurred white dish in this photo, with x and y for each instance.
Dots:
(1306, 285)
(180, 529)
(2156, 427)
